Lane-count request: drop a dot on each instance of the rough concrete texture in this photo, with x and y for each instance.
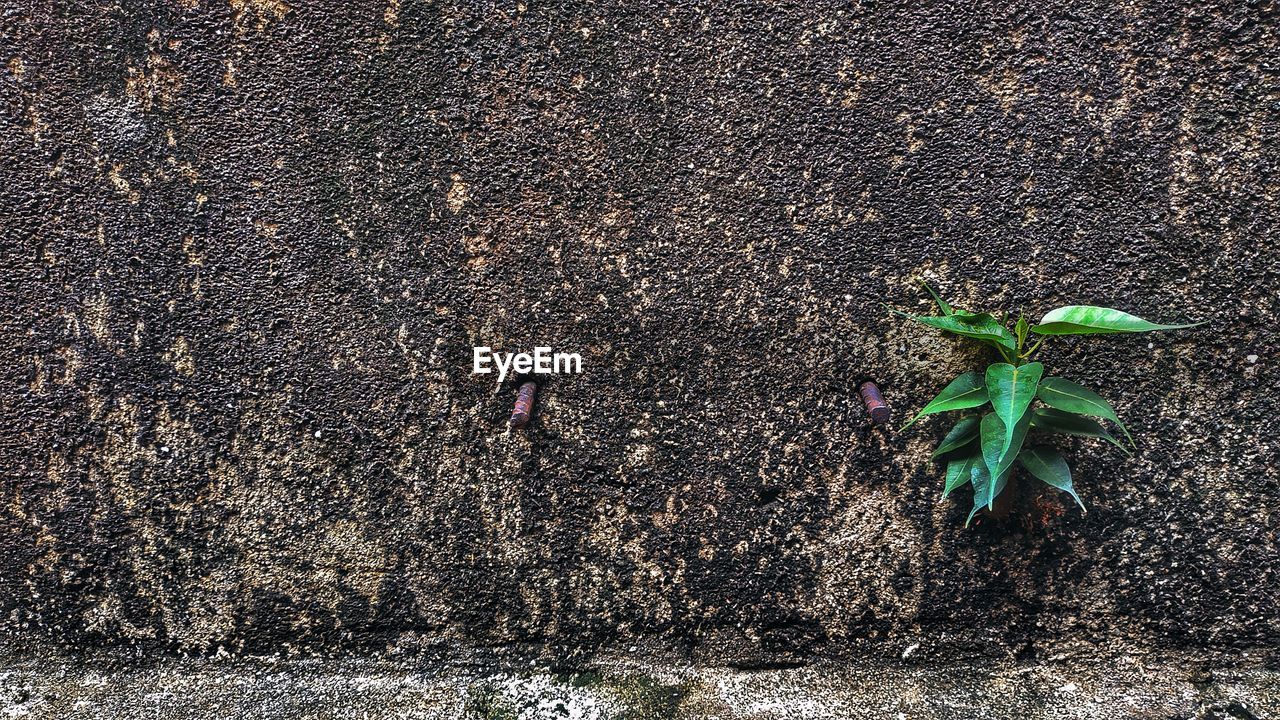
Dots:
(248, 247)
(1174, 686)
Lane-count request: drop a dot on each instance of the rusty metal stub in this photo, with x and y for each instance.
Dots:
(876, 406)
(523, 410)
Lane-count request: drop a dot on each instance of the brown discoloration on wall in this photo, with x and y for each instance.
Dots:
(257, 12)
(250, 247)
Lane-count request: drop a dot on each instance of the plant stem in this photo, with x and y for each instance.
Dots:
(1027, 355)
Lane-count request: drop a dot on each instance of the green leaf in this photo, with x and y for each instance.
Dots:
(961, 471)
(985, 492)
(996, 453)
(974, 511)
(964, 392)
(980, 326)
(1051, 420)
(1011, 390)
(1066, 395)
(942, 304)
(1047, 464)
(1092, 320)
(1020, 330)
(962, 434)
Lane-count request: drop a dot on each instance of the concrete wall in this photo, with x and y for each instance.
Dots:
(248, 249)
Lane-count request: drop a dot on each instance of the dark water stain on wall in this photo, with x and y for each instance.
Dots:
(248, 248)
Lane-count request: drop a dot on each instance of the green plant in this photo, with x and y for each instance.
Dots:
(983, 448)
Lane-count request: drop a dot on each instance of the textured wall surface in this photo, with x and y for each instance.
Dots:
(248, 247)
(1174, 686)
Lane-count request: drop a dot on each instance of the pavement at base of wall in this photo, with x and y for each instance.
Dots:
(50, 684)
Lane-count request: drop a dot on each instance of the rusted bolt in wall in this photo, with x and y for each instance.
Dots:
(524, 405)
(876, 407)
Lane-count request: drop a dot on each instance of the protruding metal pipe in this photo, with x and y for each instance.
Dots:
(876, 406)
(524, 405)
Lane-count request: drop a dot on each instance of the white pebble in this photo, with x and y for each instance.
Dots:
(317, 433)
(1251, 358)
(910, 649)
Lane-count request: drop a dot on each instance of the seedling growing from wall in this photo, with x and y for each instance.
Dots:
(1006, 411)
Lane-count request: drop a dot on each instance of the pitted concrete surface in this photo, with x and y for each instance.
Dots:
(1113, 687)
(249, 245)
